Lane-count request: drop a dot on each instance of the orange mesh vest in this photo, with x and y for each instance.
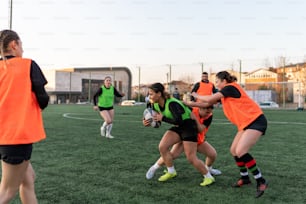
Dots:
(20, 116)
(201, 135)
(205, 89)
(240, 111)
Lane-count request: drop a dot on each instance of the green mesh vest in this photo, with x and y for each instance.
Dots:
(106, 99)
(167, 113)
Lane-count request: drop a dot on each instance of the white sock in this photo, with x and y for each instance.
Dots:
(156, 166)
(171, 169)
(109, 128)
(104, 125)
(208, 175)
(208, 167)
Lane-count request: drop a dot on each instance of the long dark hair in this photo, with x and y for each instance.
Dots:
(224, 75)
(158, 87)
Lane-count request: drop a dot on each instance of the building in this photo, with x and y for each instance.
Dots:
(72, 85)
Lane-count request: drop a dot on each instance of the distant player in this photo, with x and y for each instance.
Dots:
(251, 123)
(204, 87)
(104, 102)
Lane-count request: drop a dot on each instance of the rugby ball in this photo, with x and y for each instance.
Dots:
(148, 114)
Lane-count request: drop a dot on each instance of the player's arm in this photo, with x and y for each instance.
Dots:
(200, 126)
(117, 93)
(194, 89)
(95, 98)
(206, 123)
(177, 110)
(196, 104)
(209, 99)
(39, 81)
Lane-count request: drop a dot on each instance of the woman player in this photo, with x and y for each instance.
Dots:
(173, 111)
(251, 123)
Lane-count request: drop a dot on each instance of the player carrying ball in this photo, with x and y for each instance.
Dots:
(173, 111)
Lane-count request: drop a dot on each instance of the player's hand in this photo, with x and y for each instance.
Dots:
(96, 108)
(158, 117)
(146, 122)
(194, 94)
(192, 116)
(186, 102)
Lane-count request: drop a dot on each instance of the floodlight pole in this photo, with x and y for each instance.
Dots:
(138, 84)
(239, 71)
(284, 65)
(202, 67)
(10, 14)
(170, 78)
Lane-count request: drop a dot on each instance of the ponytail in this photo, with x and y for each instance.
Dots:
(224, 75)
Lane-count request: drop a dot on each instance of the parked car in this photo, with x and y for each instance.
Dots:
(128, 103)
(268, 104)
(131, 103)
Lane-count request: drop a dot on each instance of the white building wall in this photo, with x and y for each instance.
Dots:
(50, 76)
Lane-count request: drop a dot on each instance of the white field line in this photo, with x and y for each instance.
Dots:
(79, 116)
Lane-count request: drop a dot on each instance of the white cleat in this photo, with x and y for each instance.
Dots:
(215, 172)
(109, 136)
(103, 130)
(150, 173)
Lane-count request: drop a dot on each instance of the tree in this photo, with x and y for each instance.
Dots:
(187, 79)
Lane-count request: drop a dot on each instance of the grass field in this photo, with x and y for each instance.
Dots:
(74, 165)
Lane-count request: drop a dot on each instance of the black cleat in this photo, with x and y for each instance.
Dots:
(260, 189)
(241, 182)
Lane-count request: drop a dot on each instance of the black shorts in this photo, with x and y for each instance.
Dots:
(105, 108)
(15, 154)
(188, 131)
(259, 124)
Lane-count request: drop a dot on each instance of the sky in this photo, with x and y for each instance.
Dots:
(150, 36)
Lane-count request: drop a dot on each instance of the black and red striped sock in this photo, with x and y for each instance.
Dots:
(243, 170)
(250, 163)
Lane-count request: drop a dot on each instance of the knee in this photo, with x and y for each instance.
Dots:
(162, 148)
(213, 155)
(108, 121)
(7, 194)
(29, 179)
(238, 152)
(233, 151)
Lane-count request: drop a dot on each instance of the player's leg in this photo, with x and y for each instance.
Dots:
(107, 116)
(176, 151)
(104, 114)
(109, 127)
(27, 188)
(12, 177)
(211, 155)
(246, 142)
(190, 149)
(244, 175)
(169, 139)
